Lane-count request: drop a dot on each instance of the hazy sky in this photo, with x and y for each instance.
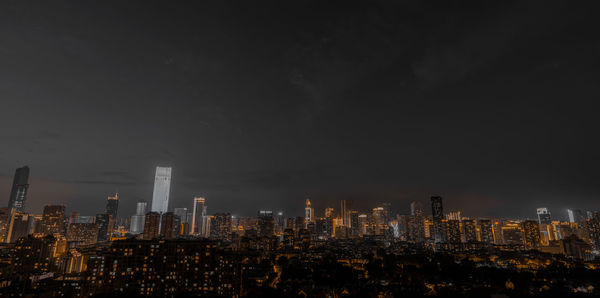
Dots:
(261, 104)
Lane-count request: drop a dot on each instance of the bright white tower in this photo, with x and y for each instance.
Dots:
(162, 186)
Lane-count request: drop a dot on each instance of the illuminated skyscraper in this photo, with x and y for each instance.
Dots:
(308, 213)
(531, 234)
(486, 233)
(416, 228)
(469, 228)
(220, 226)
(437, 212)
(18, 193)
(105, 225)
(112, 205)
(345, 207)
(53, 220)
(543, 216)
(137, 220)
(198, 214)
(266, 223)
(162, 186)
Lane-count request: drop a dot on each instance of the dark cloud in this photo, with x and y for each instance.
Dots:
(258, 106)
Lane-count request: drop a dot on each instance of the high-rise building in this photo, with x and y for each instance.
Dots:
(105, 225)
(112, 205)
(169, 226)
(531, 233)
(82, 233)
(345, 208)
(53, 220)
(151, 225)
(137, 220)
(469, 228)
(162, 186)
(266, 223)
(416, 226)
(308, 213)
(198, 214)
(512, 233)
(486, 233)
(355, 228)
(437, 212)
(543, 216)
(18, 193)
(453, 231)
(221, 226)
(575, 215)
(22, 225)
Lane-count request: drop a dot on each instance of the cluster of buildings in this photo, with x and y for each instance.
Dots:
(172, 247)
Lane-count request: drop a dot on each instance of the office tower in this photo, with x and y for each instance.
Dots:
(512, 233)
(137, 220)
(453, 231)
(162, 186)
(105, 225)
(198, 214)
(437, 212)
(22, 224)
(346, 206)
(543, 216)
(53, 220)
(531, 233)
(151, 225)
(469, 228)
(308, 213)
(575, 215)
(18, 193)
(169, 225)
(416, 226)
(221, 226)
(355, 228)
(112, 205)
(265, 223)
(486, 233)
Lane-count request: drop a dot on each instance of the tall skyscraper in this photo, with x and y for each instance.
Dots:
(105, 224)
(198, 214)
(486, 233)
(137, 220)
(416, 228)
(308, 213)
(151, 225)
(437, 212)
(169, 226)
(543, 216)
(112, 205)
(162, 186)
(531, 234)
(18, 193)
(345, 208)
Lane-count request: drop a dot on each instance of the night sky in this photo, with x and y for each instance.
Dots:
(259, 105)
